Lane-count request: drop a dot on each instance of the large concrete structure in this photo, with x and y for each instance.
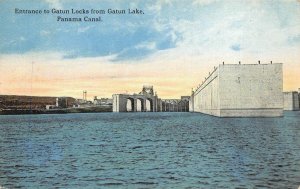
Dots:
(148, 101)
(291, 100)
(145, 101)
(242, 90)
(120, 102)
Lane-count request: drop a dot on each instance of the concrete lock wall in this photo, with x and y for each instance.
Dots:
(251, 90)
(243, 90)
(291, 101)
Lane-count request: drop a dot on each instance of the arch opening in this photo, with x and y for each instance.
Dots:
(130, 105)
(149, 105)
(140, 105)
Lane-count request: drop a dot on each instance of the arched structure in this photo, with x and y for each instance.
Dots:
(147, 101)
(120, 103)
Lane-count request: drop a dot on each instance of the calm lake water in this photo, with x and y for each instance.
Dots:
(149, 150)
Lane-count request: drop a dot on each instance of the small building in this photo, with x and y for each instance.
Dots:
(102, 101)
(291, 101)
(76, 105)
(49, 107)
(80, 101)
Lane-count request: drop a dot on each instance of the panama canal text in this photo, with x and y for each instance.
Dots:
(78, 19)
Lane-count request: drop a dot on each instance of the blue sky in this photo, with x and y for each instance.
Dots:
(117, 34)
(165, 25)
(179, 41)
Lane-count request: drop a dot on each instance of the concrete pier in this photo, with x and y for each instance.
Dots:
(240, 90)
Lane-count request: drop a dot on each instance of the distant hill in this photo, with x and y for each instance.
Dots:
(25, 102)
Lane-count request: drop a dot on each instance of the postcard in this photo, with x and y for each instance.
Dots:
(149, 94)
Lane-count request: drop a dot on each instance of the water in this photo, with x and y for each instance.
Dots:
(149, 150)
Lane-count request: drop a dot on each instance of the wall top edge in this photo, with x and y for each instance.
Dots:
(286, 92)
(249, 64)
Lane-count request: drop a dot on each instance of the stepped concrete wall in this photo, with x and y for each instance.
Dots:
(206, 98)
(242, 90)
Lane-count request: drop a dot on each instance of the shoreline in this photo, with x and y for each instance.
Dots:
(55, 111)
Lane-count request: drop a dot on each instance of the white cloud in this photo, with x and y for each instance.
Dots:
(55, 4)
(158, 6)
(45, 33)
(203, 2)
(22, 38)
(254, 29)
(83, 29)
(146, 45)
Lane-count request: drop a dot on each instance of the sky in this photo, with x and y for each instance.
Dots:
(172, 46)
